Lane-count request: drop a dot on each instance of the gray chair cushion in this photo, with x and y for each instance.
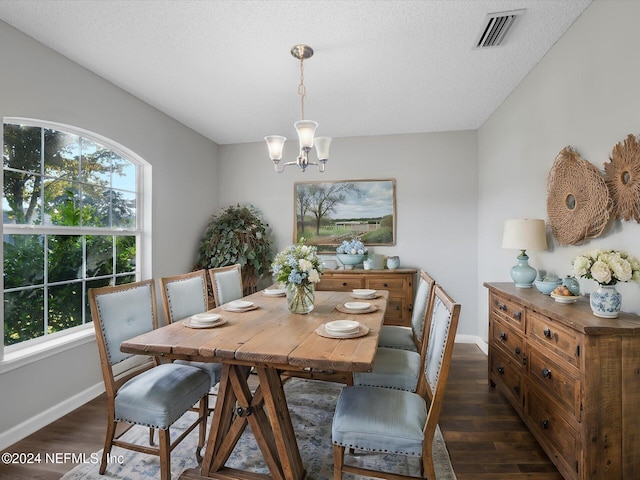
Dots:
(214, 370)
(394, 368)
(393, 336)
(159, 396)
(363, 420)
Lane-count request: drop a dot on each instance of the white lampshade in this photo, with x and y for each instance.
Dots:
(322, 145)
(306, 130)
(275, 143)
(524, 234)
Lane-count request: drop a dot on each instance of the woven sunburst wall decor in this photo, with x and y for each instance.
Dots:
(577, 199)
(622, 176)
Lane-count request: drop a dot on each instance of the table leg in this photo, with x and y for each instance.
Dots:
(236, 407)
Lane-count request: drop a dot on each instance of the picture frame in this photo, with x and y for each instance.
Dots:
(328, 212)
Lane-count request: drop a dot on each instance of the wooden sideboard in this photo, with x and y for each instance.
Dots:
(398, 282)
(574, 379)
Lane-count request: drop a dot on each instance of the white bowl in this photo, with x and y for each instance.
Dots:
(204, 318)
(357, 305)
(565, 298)
(342, 326)
(275, 292)
(240, 304)
(363, 292)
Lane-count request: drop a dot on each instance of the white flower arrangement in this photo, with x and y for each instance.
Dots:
(298, 264)
(353, 247)
(607, 267)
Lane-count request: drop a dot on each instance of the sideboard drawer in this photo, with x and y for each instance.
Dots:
(556, 380)
(555, 435)
(513, 313)
(397, 284)
(340, 283)
(551, 334)
(506, 373)
(508, 338)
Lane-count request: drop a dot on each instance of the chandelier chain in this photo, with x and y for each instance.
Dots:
(302, 91)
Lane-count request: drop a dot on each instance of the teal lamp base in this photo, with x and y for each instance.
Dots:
(522, 274)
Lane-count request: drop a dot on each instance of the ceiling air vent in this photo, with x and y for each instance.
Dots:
(496, 27)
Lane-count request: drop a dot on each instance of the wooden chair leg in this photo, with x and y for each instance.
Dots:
(428, 470)
(165, 454)
(108, 442)
(338, 462)
(151, 433)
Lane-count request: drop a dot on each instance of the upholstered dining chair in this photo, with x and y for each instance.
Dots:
(153, 396)
(395, 421)
(185, 295)
(226, 283)
(397, 367)
(409, 338)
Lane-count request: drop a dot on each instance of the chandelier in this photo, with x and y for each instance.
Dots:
(306, 128)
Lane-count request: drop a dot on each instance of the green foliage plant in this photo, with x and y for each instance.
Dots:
(237, 235)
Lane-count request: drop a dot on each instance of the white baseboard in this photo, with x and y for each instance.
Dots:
(44, 418)
(474, 339)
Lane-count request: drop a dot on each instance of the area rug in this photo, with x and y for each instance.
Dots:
(311, 406)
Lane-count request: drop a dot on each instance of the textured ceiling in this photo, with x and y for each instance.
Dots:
(224, 69)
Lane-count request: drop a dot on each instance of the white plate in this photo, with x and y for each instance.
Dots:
(342, 326)
(205, 318)
(275, 292)
(357, 305)
(363, 292)
(360, 332)
(240, 304)
(565, 298)
(188, 322)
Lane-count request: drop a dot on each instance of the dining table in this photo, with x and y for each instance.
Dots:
(275, 344)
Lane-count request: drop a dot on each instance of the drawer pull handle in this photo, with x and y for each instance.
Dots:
(500, 370)
(546, 373)
(344, 284)
(385, 284)
(517, 350)
(545, 424)
(503, 336)
(502, 307)
(547, 332)
(517, 389)
(517, 316)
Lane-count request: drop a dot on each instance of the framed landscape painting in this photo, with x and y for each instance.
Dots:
(326, 213)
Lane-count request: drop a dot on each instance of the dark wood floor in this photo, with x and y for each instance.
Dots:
(486, 438)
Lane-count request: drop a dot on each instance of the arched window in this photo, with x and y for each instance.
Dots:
(72, 209)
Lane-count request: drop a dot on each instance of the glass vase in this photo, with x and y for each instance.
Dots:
(300, 297)
(606, 301)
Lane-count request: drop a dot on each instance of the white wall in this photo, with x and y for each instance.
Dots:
(39, 83)
(436, 189)
(583, 93)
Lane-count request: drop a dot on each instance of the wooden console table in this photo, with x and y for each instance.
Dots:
(398, 282)
(574, 379)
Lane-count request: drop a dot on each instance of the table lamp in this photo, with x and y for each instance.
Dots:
(524, 234)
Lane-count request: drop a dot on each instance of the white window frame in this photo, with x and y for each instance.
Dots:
(15, 356)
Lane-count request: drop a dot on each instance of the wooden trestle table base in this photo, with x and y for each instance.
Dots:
(270, 340)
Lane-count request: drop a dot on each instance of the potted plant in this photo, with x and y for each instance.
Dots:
(237, 234)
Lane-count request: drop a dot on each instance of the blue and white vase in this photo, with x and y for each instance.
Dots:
(606, 302)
